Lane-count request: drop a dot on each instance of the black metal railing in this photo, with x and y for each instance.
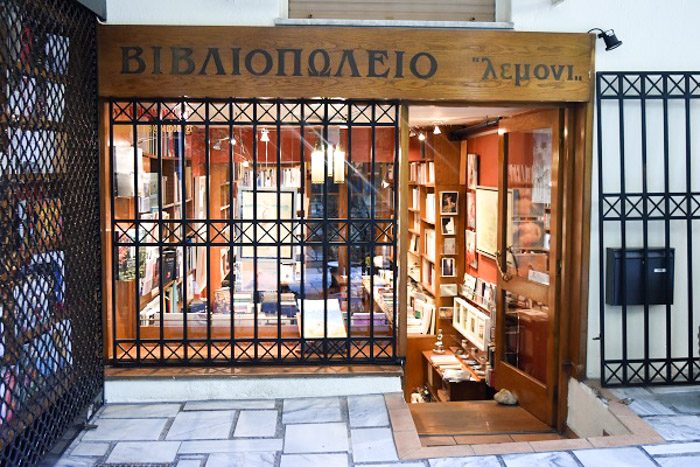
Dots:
(51, 364)
(649, 201)
(227, 199)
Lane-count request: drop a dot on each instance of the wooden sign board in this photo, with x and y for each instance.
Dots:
(362, 63)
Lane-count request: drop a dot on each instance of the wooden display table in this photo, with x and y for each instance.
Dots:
(443, 391)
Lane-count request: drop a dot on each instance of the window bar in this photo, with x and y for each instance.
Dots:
(137, 223)
(183, 216)
(348, 234)
(303, 224)
(689, 225)
(373, 208)
(255, 105)
(667, 223)
(159, 155)
(623, 223)
(325, 146)
(645, 229)
(601, 241)
(115, 235)
(395, 229)
(232, 175)
(278, 151)
(207, 222)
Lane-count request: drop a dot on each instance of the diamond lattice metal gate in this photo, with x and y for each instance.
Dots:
(649, 206)
(51, 329)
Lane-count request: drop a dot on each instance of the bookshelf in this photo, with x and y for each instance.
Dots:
(436, 239)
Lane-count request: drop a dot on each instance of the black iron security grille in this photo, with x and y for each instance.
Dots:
(649, 198)
(51, 367)
(226, 231)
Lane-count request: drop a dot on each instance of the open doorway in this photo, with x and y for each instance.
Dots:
(484, 228)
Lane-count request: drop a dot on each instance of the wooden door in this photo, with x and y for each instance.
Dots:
(529, 260)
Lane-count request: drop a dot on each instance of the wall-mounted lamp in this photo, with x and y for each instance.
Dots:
(265, 135)
(217, 144)
(609, 37)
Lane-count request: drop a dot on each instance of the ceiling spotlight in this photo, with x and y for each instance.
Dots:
(609, 37)
(265, 135)
(421, 136)
(436, 130)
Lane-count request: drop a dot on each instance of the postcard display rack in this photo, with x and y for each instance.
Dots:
(50, 366)
(436, 242)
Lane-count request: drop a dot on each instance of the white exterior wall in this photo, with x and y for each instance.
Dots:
(657, 35)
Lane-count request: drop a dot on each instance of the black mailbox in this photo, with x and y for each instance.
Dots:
(659, 276)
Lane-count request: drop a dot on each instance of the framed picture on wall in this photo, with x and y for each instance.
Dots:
(267, 210)
(472, 171)
(449, 203)
(471, 210)
(445, 312)
(449, 246)
(448, 290)
(447, 267)
(470, 242)
(448, 225)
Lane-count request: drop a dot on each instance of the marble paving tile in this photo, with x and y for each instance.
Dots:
(314, 460)
(680, 428)
(634, 393)
(242, 459)
(256, 424)
(202, 425)
(684, 402)
(131, 429)
(312, 410)
(229, 405)
(650, 406)
(140, 410)
(90, 449)
(613, 457)
(76, 461)
(673, 448)
(316, 437)
(674, 389)
(143, 452)
(235, 445)
(394, 464)
(678, 461)
(541, 459)
(189, 463)
(373, 445)
(367, 411)
(478, 461)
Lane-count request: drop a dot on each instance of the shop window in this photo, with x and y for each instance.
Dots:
(253, 231)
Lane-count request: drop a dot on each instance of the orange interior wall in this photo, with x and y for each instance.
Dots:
(486, 147)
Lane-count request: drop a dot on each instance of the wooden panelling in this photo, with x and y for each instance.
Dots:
(439, 10)
(363, 63)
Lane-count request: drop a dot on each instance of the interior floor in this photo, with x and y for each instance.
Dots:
(477, 422)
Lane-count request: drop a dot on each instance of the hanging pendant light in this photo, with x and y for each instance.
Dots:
(317, 163)
(436, 130)
(265, 135)
(338, 165)
(421, 136)
(329, 160)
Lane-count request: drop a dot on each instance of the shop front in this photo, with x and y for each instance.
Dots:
(287, 196)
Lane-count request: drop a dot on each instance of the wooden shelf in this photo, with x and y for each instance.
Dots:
(427, 221)
(428, 258)
(414, 232)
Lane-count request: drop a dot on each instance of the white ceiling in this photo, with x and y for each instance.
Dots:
(428, 115)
